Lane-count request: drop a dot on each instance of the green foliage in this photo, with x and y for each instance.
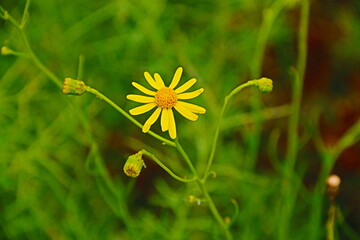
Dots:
(61, 157)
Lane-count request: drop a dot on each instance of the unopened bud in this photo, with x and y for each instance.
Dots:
(73, 87)
(333, 185)
(6, 15)
(264, 85)
(333, 181)
(191, 199)
(5, 50)
(133, 165)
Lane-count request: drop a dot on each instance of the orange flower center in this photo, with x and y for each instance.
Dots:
(165, 98)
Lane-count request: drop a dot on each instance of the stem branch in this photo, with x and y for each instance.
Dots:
(152, 157)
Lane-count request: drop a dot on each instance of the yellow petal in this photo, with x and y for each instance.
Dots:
(140, 99)
(176, 78)
(190, 95)
(172, 125)
(186, 86)
(186, 113)
(165, 120)
(151, 120)
(151, 81)
(159, 80)
(143, 89)
(142, 109)
(192, 107)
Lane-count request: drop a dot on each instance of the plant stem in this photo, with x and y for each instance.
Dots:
(125, 114)
(152, 157)
(270, 15)
(293, 139)
(25, 15)
(32, 55)
(205, 192)
(217, 130)
(330, 225)
(37, 62)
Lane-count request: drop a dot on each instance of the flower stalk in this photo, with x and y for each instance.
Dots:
(264, 85)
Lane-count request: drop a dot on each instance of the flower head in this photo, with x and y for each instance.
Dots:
(264, 85)
(73, 87)
(133, 165)
(165, 99)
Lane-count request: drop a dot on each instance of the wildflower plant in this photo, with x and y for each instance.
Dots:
(165, 101)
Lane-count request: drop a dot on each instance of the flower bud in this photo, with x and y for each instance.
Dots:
(5, 50)
(333, 185)
(6, 15)
(133, 165)
(265, 85)
(192, 199)
(73, 87)
(333, 181)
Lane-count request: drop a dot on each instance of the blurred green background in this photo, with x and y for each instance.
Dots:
(61, 157)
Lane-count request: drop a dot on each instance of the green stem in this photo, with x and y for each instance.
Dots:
(329, 157)
(293, 137)
(7, 16)
(125, 114)
(270, 15)
(330, 225)
(205, 192)
(25, 15)
(152, 157)
(80, 71)
(36, 61)
(185, 156)
(217, 130)
(351, 136)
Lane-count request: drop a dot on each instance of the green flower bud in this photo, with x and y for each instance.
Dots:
(133, 165)
(264, 85)
(6, 15)
(5, 50)
(73, 87)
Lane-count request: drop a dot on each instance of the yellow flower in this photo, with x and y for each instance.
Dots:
(165, 99)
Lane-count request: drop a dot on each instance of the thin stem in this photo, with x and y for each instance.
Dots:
(205, 192)
(125, 114)
(270, 15)
(330, 225)
(293, 137)
(185, 156)
(80, 71)
(9, 51)
(37, 62)
(32, 55)
(152, 157)
(217, 130)
(236, 212)
(351, 136)
(7, 16)
(25, 15)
